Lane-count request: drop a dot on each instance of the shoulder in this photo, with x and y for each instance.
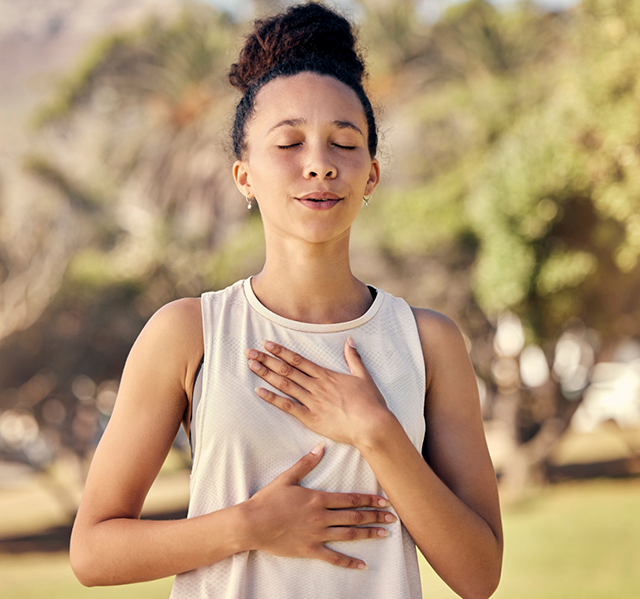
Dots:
(436, 329)
(182, 310)
(171, 341)
(434, 322)
(441, 339)
(431, 324)
(185, 312)
(180, 320)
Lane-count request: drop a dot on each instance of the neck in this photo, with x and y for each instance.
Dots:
(311, 282)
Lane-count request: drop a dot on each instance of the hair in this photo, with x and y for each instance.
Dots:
(306, 38)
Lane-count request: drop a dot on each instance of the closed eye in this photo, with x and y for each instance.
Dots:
(288, 146)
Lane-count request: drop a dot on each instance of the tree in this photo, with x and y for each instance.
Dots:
(512, 206)
(134, 207)
(525, 161)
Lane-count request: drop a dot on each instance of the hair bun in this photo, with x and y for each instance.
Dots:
(304, 32)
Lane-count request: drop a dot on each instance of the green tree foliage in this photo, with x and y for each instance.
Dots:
(514, 189)
(516, 153)
(521, 140)
(138, 207)
(145, 116)
(556, 208)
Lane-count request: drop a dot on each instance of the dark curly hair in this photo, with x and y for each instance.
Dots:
(305, 38)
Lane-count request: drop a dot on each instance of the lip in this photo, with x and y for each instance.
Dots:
(319, 195)
(319, 200)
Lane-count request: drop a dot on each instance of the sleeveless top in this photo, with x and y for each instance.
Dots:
(243, 443)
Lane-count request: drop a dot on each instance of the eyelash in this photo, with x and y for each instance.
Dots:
(336, 145)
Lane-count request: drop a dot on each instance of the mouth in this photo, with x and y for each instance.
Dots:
(320, 197)
(320, 201)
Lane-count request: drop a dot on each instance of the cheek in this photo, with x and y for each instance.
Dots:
(269, 160)
(272, 178)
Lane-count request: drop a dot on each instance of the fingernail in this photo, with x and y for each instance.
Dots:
(254, 365)
(383, 502)
(351, 342)
(383, 533)
(251, 353)
(363, 567)
(389, 518)
(261, 391)
(318, 448)
(269, 344)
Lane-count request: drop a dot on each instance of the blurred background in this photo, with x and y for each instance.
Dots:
(510, 202)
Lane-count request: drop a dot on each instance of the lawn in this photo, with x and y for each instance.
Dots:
(578, 540)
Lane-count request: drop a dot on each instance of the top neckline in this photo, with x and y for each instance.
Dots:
(310, 327)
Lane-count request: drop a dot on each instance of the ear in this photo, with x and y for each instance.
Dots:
(374, 177)
(242, 177)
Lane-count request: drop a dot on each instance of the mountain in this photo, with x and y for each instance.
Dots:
(40, 39)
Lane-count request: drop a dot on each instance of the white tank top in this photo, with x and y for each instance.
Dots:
(243, 443)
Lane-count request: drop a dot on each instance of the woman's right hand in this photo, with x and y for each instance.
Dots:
(288, 520)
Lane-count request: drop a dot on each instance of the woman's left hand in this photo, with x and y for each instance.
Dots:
(343, 407)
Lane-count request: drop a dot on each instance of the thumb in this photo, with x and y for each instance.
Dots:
(354, 361)
(304, 465)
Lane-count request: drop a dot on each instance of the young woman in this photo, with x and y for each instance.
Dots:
(333, 427)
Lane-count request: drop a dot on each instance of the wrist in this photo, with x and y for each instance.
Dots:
(242, 535)
(382, 426)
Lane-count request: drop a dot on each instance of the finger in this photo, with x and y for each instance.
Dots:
(359, 517)
(354, 361)
(296, 360)
(304, 465)
(286, 404)
(282, 383)
(340, 501)
(345, 533)
(277, 366)
(339, 559)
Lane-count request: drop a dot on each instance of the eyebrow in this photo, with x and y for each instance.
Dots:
(298, 122)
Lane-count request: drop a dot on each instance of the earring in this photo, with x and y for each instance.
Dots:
(367, 198)
(249, 202)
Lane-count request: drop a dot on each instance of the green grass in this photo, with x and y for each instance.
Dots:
(572, 541)
(49, 576)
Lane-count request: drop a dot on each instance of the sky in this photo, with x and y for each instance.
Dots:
(432, 7)
(548, 4)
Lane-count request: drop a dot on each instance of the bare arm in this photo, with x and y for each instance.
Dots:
(450, 506)
(111, 545)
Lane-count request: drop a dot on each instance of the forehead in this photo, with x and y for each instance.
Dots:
(312, 97)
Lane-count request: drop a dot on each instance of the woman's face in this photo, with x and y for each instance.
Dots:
(307, 161)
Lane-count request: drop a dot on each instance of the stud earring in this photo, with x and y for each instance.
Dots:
(367, 198)
(249, 202)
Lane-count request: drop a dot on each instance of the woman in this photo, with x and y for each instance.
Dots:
(300, 360)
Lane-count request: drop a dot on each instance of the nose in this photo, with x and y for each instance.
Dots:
(320, 165)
